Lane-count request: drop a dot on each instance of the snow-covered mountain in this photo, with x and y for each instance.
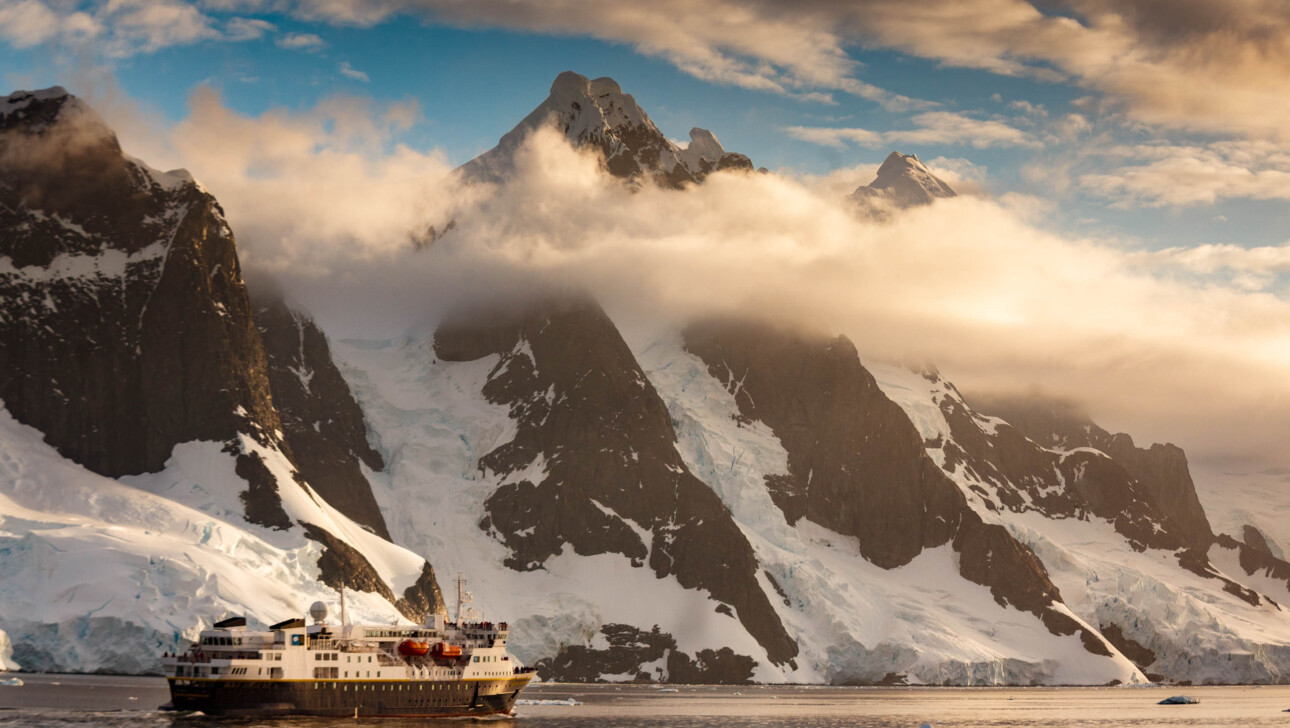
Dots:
(597, 114)
(149, 484)
(903, 181)
(732, 501)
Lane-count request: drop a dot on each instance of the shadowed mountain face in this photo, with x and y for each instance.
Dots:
(1158, 476)
(126, 327)
(857, 465)
(322, 424)
(597, 114)
(822, 404)
(593, 465)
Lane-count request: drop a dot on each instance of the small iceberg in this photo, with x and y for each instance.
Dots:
(12, 682)
(1179, 700)
(567, 701)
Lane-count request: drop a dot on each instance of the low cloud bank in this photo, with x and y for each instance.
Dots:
(1160, 345)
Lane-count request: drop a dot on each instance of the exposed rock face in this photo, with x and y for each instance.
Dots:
(343, 565)
(126, 326)
(903, 181)
(1159, 473)
(596, 113)
(856, 464)
(1006, 470)
(1140, 655)
(322, 424)
(593, 465)
(629, 648)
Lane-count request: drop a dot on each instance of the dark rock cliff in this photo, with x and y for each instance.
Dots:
(126, 326)
(1159, 473)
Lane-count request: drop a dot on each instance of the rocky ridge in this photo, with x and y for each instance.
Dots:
(597, 114)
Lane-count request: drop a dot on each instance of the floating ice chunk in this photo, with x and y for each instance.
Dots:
(1179, 700)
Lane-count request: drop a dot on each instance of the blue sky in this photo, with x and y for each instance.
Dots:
(473, 83)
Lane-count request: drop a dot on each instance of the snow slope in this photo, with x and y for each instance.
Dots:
(104, 575)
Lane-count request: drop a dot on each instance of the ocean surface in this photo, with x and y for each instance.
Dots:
(129, 702)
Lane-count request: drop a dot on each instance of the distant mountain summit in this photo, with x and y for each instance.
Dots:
(597, 113)
(903, 181)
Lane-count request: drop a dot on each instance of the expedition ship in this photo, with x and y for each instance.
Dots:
(437, 669)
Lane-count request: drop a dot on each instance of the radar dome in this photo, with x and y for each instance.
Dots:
(318, 612)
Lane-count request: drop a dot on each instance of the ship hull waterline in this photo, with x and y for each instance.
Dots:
(347, 698)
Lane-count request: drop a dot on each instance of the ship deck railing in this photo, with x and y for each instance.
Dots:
(205, 657)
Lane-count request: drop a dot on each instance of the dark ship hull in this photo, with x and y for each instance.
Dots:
(362, 698)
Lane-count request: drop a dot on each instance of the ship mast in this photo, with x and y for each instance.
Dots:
(342, 596)
(463, 596)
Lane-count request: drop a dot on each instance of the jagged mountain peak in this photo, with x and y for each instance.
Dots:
(902, 181)
(22, 99)
(572, 82)
(34, 112)
(596, 113)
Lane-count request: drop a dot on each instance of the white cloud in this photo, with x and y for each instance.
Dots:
(301, 42)
(931, 127)
(349, 71)
(149, 25)
(310, 186)
(1159, 175)
(25, 23)
(240, 29)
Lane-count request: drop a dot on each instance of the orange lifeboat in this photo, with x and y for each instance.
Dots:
(408, 648)
(445, 650)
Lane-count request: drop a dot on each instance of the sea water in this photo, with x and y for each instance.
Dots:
(129, 702)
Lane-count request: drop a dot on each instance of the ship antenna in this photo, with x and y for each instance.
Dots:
(342, 595)
(461, 583)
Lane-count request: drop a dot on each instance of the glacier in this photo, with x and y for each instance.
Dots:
(101, 575)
